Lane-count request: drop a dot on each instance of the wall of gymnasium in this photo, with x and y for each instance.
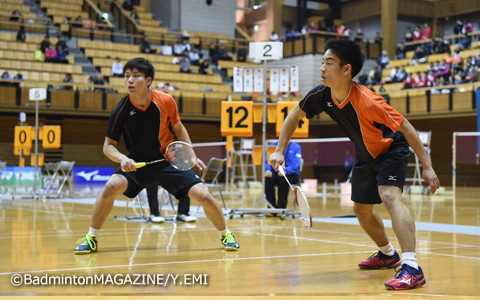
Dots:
(196, 15)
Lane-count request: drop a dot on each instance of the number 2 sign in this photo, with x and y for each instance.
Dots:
(237, 118)
(265, 50)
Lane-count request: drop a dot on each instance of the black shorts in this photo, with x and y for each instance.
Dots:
(176, 182)
(387, 169)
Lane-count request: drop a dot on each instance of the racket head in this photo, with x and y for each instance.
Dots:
(181, 155)
(303, 207)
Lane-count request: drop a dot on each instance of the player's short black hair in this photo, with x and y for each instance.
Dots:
(348, 52)
(142, 65)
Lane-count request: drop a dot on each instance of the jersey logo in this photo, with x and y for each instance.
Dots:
(132, 112)
(330, 104)
(392, 178)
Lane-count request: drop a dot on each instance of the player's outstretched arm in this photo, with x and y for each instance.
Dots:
(288, 128)
(428, 174)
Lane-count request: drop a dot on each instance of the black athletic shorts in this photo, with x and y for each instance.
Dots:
(176, 182)
(387, 169)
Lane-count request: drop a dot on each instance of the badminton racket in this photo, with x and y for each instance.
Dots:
(300, 200)
(179, 154)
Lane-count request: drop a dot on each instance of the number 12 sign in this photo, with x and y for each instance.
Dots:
(237, 118)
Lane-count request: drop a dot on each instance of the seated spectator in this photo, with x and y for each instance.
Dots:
(61, 56)
(98, 80)
(127, 5)
(15, 16)
(21, 35)
(383, 60)
(443, 71)
(401, 75)
(204, 66)
(68, 79)
(89, 24)
(213, 53)
(194, 57)
(313, 26)
(223, 53)
(362, 77)
(419, 56)
(185, 65)
(400, 51)
(51, 54)
(3, 79)
(457, 60)
(431, 79)
(146, 47)
(62, 43)
(426, 32)
(420, 80)
(117, 68)
(134, 16)
(417, 34)
(359, 35)
(166, 87)
(440, 46)
(178, 48)
(45, 44)
(393, 75)
(409, 83)
(472, 74)
(17, 77)
(242, 54)
(273, 36)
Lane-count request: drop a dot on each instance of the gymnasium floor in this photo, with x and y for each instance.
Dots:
(277, 258)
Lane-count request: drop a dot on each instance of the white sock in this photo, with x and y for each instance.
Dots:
(93, 231)
(223, 232)
(410, 258)
(387, 249)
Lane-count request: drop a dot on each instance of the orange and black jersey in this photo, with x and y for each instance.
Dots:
(146, 130)
(366, 118)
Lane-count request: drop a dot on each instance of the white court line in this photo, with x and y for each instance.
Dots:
(185, 262)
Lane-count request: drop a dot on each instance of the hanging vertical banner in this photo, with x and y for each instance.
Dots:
(274, 80)
(258, 80)
(284, 83)
(237, 79)
(247, 80)
(294, 86)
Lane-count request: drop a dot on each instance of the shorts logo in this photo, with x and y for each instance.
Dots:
(132, 112)
(392, 178)
(329, 104)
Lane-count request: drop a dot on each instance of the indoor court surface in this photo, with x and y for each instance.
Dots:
(277, 257)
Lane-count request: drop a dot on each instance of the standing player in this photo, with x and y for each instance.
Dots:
(381, 136)
(148, 120)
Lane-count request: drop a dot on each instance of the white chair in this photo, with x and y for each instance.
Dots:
(243, 162)
(3, 170)
(58, 176)
(210, 178)
(425, 137)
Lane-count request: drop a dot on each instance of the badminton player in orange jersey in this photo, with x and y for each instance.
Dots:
(148, 120)
(382, 137)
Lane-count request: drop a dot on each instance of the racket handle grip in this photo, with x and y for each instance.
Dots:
(138, 165)
(281, 170)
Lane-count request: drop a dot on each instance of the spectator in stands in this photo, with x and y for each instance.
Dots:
(417, 34)
(21, 35)
(408, 36)
(359, 35)
(349, 34)
(402, 74)
(51, 54)
(408, 83)
(117, 68)
(472, 74)
(466, 41)
(273, 36)
(393, 75)
(419, 56)
(204, 66)
(45, 44)
(67, 79)
(178, 48)
(223, 53)
(15, 16)
(213, 53)
(78, 22)
(313, 26)
(127, 5)
(165, 87)
(89, 24)
(146, 47)
(5, 79)
(98, 80)
(62, 43)
(61, 56)
(420, 79)
(242, 54)
(400, 51)
(305, 29)
(134, 16)
(426, 32)
(383, 60)
(431, 78)
(194, 56)
(340, 32)
(362, 77)
(185, 65)
(457, 29)
(443, 71)
(378, 37)
(440, 46)
(457, 60)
